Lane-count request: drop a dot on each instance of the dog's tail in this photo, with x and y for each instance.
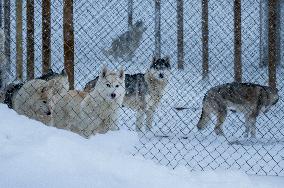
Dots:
(204, 118)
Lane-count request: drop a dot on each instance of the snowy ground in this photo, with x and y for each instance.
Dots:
(34, 155)
(97, 22)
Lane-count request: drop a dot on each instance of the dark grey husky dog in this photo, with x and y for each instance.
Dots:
(125, 45)
(144, 91)
(247, 98)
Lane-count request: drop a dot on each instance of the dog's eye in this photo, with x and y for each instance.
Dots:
(44, 102)
(117, 86)
(108, 85)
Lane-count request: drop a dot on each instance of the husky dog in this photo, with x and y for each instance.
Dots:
(36, 97)
(125, 45)
(144, 91)
(93, 112)
(247, 98)
(58, 84)
(30, 99)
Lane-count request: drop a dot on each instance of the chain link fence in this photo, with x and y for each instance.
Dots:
(174, 140)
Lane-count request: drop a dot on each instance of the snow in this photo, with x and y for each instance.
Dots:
(34, 155)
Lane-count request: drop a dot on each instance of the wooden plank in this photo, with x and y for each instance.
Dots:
(46, 32)
(30, 39)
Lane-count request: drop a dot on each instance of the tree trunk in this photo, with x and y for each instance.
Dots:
(157, 29)
(46, 32)
(19, 40)
(238, 41)
(205, 33)
(1, 14)
(7, 24)
(180, 40)
(68, 34)
(30, 39)
(130, 13)
(272, 45)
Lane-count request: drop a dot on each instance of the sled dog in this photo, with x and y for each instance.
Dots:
(144, 91)
(247, 98)
(125, 45)
(94, 112)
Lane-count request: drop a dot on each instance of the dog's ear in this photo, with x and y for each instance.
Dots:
(104, 71)
(121, 73)
(168, 63)
(63, 72)
(154, 59)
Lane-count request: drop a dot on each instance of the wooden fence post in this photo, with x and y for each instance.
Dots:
(157, 29)
(46, 32)
(238, 41)
(68, 34)
(7, 23)
(205, 33)
(272, 52)
(180, 36)
(130, 13)
(30, 39)
(19, 40)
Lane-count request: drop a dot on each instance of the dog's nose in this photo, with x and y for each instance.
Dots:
(161, 75)
(113, 95)
(48, 113)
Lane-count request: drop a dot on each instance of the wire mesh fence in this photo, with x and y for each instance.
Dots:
(120, 34)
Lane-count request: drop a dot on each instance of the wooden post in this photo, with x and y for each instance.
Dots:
(130, 13)
(238, 41)
(157, 29)
(180, 40)
(68, 34)
(1, 14)
(205, 33)
(46, 32)
(272, 43)
(19, 40)
(30, 39)
(7, 32)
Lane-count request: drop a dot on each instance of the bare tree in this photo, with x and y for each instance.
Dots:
(238, 41)
(68, 34)
(180, 40)
(205, 33)
(30, 39)
(7, 23)
(157, 28)
(130, 13)
(19, 40)
(46, 32)
(272, 44)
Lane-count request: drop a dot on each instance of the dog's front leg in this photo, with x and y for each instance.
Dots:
(139, 120)
(150, 117)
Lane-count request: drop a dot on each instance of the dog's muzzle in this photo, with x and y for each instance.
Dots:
(113, 95)
(161, 75)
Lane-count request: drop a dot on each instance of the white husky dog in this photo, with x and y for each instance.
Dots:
(95, 112)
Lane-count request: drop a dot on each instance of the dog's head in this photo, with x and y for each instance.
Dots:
(139, 26)
(41, 97)
(160, 68)
(111, 84)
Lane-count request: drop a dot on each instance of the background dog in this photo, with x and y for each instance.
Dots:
(31, 100)
(144, 91)
(36, 97)
(125, 45)
(247, 98)
(93, 112)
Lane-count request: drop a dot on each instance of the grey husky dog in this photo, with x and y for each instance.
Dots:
(248, 98)
(144, 91)
(125, 45)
